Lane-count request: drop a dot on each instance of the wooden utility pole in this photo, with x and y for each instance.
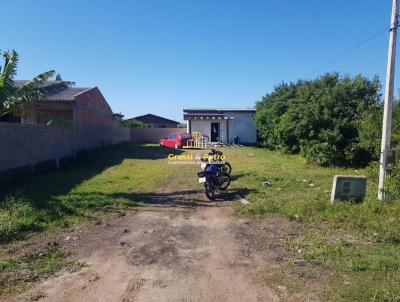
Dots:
(387, 113)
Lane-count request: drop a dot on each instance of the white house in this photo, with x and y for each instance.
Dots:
(222, 125)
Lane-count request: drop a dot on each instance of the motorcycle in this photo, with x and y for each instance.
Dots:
(212, 178)
(216, 158)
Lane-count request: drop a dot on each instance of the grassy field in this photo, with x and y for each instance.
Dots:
(341, 252)
(347, 252)
(103, 183)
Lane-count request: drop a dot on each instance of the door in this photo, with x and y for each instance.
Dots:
(215, 132)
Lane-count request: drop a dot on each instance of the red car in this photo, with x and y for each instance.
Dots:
(175, 140)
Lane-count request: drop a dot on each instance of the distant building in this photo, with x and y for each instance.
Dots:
(79, 107)
(155, 121)
(222, 125)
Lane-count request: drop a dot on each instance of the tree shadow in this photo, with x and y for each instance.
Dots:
(182, 198)
(238, 176)
(40, 189)
(48, 198)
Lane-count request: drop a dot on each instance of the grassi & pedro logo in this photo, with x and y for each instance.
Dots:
(192, 158)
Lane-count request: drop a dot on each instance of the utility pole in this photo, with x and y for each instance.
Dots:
(387, 113)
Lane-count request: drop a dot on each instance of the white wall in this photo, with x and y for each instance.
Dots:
(242, 125)
(204, 126)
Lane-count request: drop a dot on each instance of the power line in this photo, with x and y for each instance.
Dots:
(356, 47)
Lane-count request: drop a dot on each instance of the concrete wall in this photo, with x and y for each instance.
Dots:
(243, 126)
(27, 146)
(204, 126)
(152, 135)
(30, 147)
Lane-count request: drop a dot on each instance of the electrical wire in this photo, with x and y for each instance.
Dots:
(386, 29)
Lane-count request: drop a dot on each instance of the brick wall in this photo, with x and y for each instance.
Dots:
(25, 148)
(93, 97)
(94, 123)
(94, 128)
(25, 145)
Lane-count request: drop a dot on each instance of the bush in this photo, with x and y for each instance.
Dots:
(372, 171)
(132, 123)
(392, 184)
(331, 120)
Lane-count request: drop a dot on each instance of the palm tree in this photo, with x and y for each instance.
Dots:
(16, 99)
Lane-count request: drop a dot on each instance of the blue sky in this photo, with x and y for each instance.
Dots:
(161, 56)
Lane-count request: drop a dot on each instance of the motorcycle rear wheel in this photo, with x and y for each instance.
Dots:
(227, 168)
(225, 181)
(209, 191)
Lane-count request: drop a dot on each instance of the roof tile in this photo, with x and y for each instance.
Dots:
(67, 94)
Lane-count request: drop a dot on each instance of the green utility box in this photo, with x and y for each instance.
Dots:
(350, 188)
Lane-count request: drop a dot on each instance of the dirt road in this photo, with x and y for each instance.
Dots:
(171, 250)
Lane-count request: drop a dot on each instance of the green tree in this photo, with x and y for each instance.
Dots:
(15, 100)
(132, 123)
(331, 120)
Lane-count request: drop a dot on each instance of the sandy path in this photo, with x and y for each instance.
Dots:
(171, 252)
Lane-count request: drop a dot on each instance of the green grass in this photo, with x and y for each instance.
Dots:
(99, 184)
(111, 179)
(351, 251)
(301, 192)
(356, 247)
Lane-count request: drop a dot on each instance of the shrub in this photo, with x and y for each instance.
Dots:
(132, 123)
(331, 120)
(392, 184)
